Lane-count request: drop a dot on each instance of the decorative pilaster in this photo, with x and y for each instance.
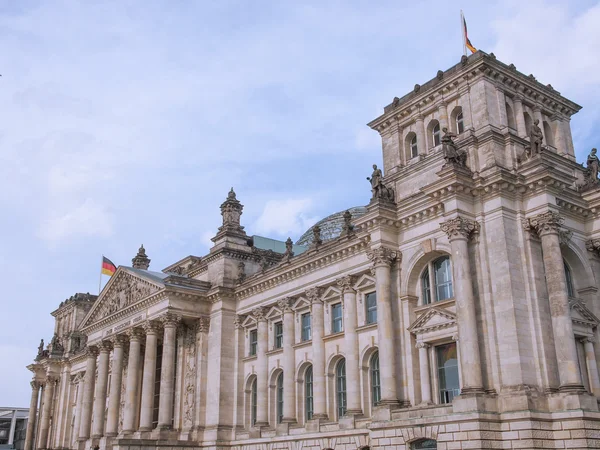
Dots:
(31, 421)
(548, 226)
(425, 377)
(262, 367)
(131, 384)
(116, 380)
(88, 393)
(318, 348)
(289, 361)
(47, 408)
(459, 231)
(202, 328)
(346, 285)
(101, 385)
(382, 259)
(149, 374)
(167, 372)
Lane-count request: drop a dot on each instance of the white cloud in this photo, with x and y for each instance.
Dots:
(289, 217)
(88, 219)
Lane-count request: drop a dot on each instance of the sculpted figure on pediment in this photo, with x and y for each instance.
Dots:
(126, 291)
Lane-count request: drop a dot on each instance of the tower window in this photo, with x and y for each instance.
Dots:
(375, 379)
(253, 342)
(278, 335)
(436, 135)
(308, 392)
(439, 274)
(569, 279)
(371, 305)
(340, 387)
(447, 366)
(253, 403)
(460, 123)
(336, 318)
(306, 336)
(414, 151)
(280, 398)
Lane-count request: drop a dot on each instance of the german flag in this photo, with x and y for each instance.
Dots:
(467, 41)
(108, 267)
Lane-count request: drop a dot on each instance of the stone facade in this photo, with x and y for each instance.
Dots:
(460, 311)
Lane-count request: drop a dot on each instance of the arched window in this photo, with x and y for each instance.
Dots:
(308, 392)
(569, 278)
(436, 135)
(414, 150)
(510, 117)
(528, 122)
(375, 379)
(340, 387)
(439, 275)
(549, 134)
(280, 398)
(424, 444)
(253, 403)
(460, 123)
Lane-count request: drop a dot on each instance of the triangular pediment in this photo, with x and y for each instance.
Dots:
(434, 318)
(126, 287)
(249, 321)
(364, 282)
(580, 313)
(274, 313)
(331, 294)
(300, 303)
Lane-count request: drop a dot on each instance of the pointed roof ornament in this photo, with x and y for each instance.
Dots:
(141, 260)
(231, 210)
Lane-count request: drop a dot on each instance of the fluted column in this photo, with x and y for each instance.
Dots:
(167, 372)
(425, 373)
(47, 409)
(547, 225)
(383, 258)
(318, 348)
(459, 231)
(519, 116)
(31, 421)
(346, 285)
(421, 139)
(289, 362)
(149, 376)
(101, 385)
(131, 383)
(592, 365)
(262, 367)
(116, 380)
(88, 394)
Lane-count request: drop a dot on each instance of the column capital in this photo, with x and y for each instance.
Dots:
(285, 304)
(346, 283)
(593, 245)
(51, 379)
(151, 327)
(518, 99)
(202, 324)
(459, 228)
(105, 346)
(119, 340)
(35, 385)
(135, 334)
(314, 294)
(238, 320)
(92, 351)
(421, 344)
(549, 222)
(170, 320)
(587, 339)
(383, 256)
(260, 314)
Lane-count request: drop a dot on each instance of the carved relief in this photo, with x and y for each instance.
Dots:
(124, 292)
(459, 228)
(346, 283)
(285, 304)
(382, 256)
(545, 223)
(190, 376)
(314, 294)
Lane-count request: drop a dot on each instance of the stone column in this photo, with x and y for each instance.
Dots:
(262, 368)
(167, 372)
(149, 376)
(592, 365)
(101, 385)
(421, 139)
(202, 329)
(519, 116)
(458, 231)
(47, 408)
(425, 375)
(382, 258)
(318, 348)
(353, 396)
(79, 381)
(289, 362)
(116, 379)
(548, 225)
(443, 114)
(33, 404)
(131, 383)
(88, 394)
(11, 431)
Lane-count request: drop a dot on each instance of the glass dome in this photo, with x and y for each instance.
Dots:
(331, 226)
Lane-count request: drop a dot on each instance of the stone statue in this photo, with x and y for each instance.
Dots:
(289, 246)
(590, 173)
(41, 348)
(452, 154)
(317, 236)
(347, 227)
(380, 191)
(535, 138)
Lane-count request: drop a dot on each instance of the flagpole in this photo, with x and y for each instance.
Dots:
(462, 32)
(100, 279)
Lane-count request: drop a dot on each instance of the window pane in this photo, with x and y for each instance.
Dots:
(460, 124)
(280, 398)
(443, 279)
(570, 290)
(447, 365)
(414, 151)
(371, 304)
(436, 135)
(253, 342)
(424, 444)
(253, 403)
(306, 327)
(336, 318)
(308, 383)
(278, 335)
(426, 287)
(375, 379)
(340, 375)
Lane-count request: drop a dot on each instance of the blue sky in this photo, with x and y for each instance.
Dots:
(127, 122)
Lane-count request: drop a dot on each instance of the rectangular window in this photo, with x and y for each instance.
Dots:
(306, 336)
(447, 367)
(253, 342)
(278, 335)
(371, 305)
(336, 318)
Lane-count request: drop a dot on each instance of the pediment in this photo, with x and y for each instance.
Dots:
(580, 314)
(274, 313)
(331, 294)
(433, 319)
(125, 288)
(364, 282)
(301, 302)
(249, 321)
